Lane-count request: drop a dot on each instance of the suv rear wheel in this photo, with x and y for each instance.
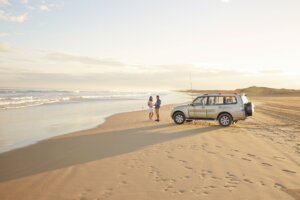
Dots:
(179, 118)
(225, 119)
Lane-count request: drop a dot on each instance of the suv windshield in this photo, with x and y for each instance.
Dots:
(200, 100)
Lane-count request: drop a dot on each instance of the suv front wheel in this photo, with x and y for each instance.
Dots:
(225, 119)
(179, 118)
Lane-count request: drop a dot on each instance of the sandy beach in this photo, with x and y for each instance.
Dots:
(130, 157)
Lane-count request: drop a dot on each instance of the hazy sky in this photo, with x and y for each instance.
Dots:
(149, 44)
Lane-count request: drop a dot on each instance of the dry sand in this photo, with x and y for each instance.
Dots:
(130, 157)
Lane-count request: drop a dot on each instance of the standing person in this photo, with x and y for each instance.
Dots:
(157, 107)
(150, 105)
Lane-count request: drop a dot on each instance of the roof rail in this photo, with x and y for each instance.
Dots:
(220, 93)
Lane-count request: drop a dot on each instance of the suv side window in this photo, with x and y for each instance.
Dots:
(230, 100)
(200, 100)
(221, 100)
(217, 100)
(204, 101)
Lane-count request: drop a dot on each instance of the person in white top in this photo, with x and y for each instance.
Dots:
(150, 105)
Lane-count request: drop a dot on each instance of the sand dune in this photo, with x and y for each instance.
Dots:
(130, 157)
(254, 91)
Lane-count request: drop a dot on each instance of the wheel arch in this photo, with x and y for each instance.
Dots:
(178, 111)
(224, 112)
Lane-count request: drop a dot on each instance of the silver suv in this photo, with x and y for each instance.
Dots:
(226, 108)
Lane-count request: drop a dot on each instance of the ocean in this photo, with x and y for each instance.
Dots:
(28, 116)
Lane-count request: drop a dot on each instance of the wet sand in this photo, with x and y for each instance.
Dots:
(130, 157)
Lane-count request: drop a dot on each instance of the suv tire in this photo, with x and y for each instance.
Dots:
(249, 109)
(179, 118)
(225, 119)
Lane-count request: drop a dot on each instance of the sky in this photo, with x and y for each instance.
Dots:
(149, 45)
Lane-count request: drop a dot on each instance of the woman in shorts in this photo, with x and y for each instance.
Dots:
(150, 106)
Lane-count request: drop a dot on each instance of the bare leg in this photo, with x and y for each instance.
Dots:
(150, 115)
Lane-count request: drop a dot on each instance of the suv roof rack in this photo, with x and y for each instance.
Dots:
(211, 93)
(220, 94)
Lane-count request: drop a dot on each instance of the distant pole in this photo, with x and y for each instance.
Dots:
(191, 85)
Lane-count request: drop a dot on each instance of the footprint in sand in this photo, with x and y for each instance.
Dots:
(209, 187)
(195, 147)
(202, 175)
(217, 178)
(181, 191)
(246, 159)
(188, 167)
(157, 179)
(248, 181)
(262, 183)
(211, 152)
(205, 173)
(168, 155)
(289, 171)
(202, 191)
(266, 164)
(83, 195)
(122, 174)
(230, 187)
(106, 193)
(278, 158)
(168, 188)
(179, 146)
(232, 181)
(231, 155)
(153, 170)
(185, 164)
(182, 161)
(194, 191)
(133, 163)
(279, 186)
(172, 180)
(124, 182)
(186, 177)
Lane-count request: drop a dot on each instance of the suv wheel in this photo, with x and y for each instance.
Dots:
(249, 108)
(179, 118)
(225, 119)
